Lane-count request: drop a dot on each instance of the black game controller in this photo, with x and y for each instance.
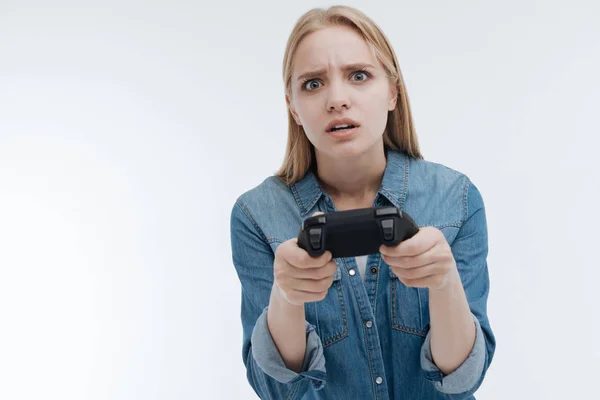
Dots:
(356, 232)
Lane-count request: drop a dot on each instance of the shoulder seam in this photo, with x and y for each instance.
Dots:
(296, 195)
(405, 183)
(248, 215)
(466, 199)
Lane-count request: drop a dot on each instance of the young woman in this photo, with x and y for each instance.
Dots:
(409, 322)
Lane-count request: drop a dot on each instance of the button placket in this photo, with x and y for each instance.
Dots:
(369, 325)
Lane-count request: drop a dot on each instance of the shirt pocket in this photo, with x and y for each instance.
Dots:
(409, 307)
(330, 315)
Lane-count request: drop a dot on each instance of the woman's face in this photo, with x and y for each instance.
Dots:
(336, 76)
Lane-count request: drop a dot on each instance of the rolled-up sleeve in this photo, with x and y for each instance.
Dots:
(466, 375)
(470, 250)
(267, 356)
(265, 370)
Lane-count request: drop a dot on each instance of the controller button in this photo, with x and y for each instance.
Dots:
(316, 220)
(388, 229)
(315, 238)
(380, 212)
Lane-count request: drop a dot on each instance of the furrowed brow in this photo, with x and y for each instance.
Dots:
(322, 71)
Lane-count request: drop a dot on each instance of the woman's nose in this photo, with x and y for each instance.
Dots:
(337, 97)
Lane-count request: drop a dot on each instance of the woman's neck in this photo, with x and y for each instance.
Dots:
(352, 183)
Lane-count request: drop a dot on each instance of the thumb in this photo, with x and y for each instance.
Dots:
(328, 252)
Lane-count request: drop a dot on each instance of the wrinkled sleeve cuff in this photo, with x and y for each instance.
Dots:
(465, 376)
(267, 356)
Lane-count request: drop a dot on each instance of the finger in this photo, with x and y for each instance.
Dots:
(311, 285)
(420, 272)
(424, 240)
(300, 297)
(408, 262)
(419, 283)
(432, 281)
(328, 269)
(300, 258)
(291, 253)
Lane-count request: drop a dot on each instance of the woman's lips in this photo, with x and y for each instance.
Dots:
(343, 133)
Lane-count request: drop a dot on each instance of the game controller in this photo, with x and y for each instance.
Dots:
(356, 232)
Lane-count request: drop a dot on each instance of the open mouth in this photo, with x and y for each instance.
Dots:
(341, 127)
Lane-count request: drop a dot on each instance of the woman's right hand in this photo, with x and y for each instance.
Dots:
(300, 277)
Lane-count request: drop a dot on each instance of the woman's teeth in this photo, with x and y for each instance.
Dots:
(340, 127)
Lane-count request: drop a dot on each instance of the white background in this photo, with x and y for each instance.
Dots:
(128, 129)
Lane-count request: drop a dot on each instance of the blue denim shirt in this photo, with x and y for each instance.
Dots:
(366, 340)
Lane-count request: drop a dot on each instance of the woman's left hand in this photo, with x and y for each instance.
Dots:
(425, 260)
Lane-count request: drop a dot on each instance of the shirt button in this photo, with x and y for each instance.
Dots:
(379, 380)
(374, 270)
(352, 272)
(369, 324)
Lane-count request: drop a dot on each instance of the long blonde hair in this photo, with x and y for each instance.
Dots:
(399, 133)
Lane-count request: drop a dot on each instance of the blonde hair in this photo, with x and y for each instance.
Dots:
(399, 133)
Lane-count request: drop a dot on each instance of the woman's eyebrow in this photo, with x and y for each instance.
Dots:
(347, 67)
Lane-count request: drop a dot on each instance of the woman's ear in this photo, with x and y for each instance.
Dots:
(292, 110)
(393, 97)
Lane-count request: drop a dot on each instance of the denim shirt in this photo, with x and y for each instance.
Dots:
(371, 339)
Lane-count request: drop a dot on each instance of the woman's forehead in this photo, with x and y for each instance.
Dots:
(332, 48)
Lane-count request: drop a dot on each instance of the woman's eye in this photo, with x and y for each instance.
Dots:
(311, 84)
(359, 73)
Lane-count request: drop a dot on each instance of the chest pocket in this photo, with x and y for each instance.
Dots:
(409, 306)
(330, 315)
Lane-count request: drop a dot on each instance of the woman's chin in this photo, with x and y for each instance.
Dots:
(347, 149)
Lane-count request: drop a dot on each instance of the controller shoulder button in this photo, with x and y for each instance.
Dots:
(385, 211)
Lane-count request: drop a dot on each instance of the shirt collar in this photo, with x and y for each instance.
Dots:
(308, 191)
